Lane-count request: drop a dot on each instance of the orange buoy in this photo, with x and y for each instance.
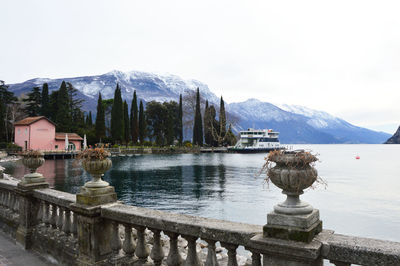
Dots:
(357, 157)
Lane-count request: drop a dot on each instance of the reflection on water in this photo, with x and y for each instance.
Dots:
(361, 198)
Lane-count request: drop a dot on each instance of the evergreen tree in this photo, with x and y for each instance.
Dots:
(134, 119)
(74, 101)
(222, 119)
(117, 117)
(33, 102)
(2, 122)
(142, 124)
(171, 122)
(7, 99)
(207, 125)
(53, 105)
(156, 118)
(230, 137)
(198, 123)
(127, 132)
(45, 109)
(89, 119)
(100, 127)
(179, 122)
(211, 127)
(63, 115)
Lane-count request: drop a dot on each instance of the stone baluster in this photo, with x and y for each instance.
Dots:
(174, 258)
(8, 200)
(142, 251)
(115, 240)
(40, 213)
(46, 216)
(16, 203)
(255, 258)
(1, 198)
(53, 219)
(339, 263)
(60, 218)
(211, 254)
(67, 223)
(192, 259)
(129, 245)
(5, 193)
(157, 252)
(74, 230)
(12, 200)
(232, 261)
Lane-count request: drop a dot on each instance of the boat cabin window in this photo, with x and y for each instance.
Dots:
(269, 140)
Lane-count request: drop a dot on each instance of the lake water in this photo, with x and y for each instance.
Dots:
(362, 197)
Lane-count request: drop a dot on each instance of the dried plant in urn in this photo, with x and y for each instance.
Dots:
(95, 162)
(293, 219)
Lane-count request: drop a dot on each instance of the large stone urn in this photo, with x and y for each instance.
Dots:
(96, 191)
(292, 219)
(33, 160)
(96, 168)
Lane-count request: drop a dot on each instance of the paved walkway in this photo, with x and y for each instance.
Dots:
(11, 254)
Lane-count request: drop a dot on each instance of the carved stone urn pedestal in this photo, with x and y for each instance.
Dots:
(96, 191)
(293, 219)
(94, 232)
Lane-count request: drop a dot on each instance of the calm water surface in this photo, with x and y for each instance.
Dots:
(362, 197)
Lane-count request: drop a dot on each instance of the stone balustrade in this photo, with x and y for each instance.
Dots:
(9, 206)
(72, 231)
(230, 235)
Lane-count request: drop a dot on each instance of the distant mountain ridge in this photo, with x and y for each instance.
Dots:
(395, 139)
(297, 124)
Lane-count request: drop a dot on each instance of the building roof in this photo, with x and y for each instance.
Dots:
(30, 120)
(71, 136)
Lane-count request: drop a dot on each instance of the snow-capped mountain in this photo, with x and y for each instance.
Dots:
(297, 124)
(148, 86)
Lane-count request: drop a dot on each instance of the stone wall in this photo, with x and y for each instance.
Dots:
(61, 227)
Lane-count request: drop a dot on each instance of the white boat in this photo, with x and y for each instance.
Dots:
(257, 140)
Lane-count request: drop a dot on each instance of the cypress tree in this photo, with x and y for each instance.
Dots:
(89, 120)
(63, 116)
(198, 123)
(34, 101)
(171, 110)
(117, 117)
(45, 110)
(208, 119)
(127, 133)
(6, 98)
(2, 121)
(134, 119)
(53, 105)
(142, 124)
(222, 119)
(180, 124)
(100, 126)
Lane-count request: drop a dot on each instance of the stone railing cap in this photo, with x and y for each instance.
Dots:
(205, 228)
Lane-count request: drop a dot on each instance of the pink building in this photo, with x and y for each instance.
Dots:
(39, 133)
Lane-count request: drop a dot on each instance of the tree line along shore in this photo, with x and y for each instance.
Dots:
(152, 124)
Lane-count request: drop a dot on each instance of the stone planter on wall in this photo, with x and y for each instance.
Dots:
(33, 160)
(293, 173)
(96, 191)
(96, 168)
(292, 219)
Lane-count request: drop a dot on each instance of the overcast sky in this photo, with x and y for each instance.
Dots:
(342, 57)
